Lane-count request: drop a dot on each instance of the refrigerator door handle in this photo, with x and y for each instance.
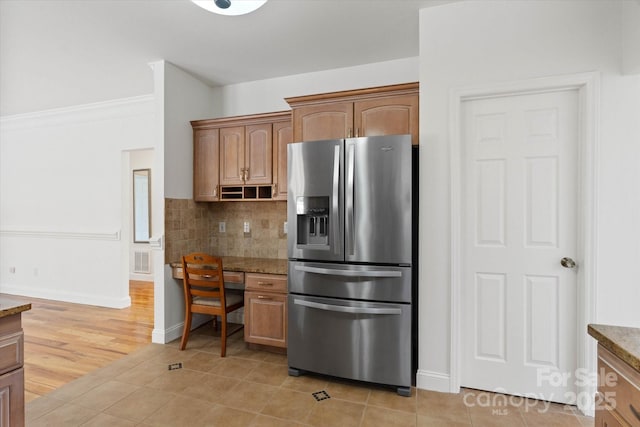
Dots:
(348, 273)
(349, 198)
(335, 214)
(346, 309)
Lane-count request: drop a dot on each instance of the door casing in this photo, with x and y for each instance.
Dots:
(588, 87)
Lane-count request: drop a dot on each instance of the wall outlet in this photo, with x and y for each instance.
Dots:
(222, 227)
(284, 228)
(247, 229)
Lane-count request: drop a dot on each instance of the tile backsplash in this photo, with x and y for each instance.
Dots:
(191, 227)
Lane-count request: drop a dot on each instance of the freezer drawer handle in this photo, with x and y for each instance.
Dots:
(343, 309)
(350, 273)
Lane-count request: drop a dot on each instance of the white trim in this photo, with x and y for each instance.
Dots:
(435, 381)
(124, 107)
(588, 86)
(73, 297)
(43, 234)
(174, 332)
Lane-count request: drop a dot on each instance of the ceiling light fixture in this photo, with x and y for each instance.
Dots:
(230, 7)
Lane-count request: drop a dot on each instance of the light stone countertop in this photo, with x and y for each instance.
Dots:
(246, 265)
(622, 341)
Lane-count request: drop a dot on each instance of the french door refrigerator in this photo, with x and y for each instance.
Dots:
(350, 259)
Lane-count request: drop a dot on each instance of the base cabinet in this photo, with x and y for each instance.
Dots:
(265, 309)
(607, 418)
(618, 400)
(11, 365)
(12, 398)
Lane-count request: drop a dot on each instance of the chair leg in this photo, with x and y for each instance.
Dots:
(215, 323)
(186, 330)
(223, 336)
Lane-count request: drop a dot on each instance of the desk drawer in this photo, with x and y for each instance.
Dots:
(266, 282)
(233, 277)
(11, 352)
(619, 385)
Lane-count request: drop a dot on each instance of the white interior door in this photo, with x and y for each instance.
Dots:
(519, 195)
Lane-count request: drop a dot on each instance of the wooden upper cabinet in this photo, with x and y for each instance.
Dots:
(394, 115)
(385, 110)
(206, 157)
(282, 135)
(232, 155)
(324, 121)
(258, 153)
(245, 157)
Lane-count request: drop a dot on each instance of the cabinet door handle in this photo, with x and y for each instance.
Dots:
(634, 411)
(264, 297)
(265, 284)
(275, 190)
(349, 133)
(215, 191)
(246, 171)
(357, 132)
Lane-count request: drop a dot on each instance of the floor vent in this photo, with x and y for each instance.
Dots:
(141, 262)
(321, 395)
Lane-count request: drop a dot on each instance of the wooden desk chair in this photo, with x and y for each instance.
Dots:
(203, 283)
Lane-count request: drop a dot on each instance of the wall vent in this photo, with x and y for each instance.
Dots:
(141, 262)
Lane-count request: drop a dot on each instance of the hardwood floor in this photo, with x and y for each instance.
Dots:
(64, 341)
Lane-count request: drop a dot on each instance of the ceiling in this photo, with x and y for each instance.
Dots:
(58, 53)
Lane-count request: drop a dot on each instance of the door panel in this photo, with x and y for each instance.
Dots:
(232, 155)
(206, 161)
(519, 210)
(326, 121)
(393, 115)
(364, 341)
(378, 199)
(282, 136)
(258, 154)
(316, 174)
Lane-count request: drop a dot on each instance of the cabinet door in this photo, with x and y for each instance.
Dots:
(265, 318)
(231, 155)
(258, 154)
(282, 135)
(12, 399)
(606, 418)
(393, 115)
(325, 121)
(206, 160)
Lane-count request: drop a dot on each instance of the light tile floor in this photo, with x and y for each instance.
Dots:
(252, 388)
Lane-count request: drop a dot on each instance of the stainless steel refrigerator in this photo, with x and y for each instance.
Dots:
(350, 259)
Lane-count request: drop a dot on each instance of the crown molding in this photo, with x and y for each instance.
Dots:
(106, 110)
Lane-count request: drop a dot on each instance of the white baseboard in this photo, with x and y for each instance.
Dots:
(434, 381)
(74, 297)
(159, 336)
(141, 277)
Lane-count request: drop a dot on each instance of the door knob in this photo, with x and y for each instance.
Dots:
(567, 262)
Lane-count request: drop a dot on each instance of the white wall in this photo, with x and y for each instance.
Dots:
(179, 98)
(60, 211)
(630, 36)
(481, 42)
(268, 95)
